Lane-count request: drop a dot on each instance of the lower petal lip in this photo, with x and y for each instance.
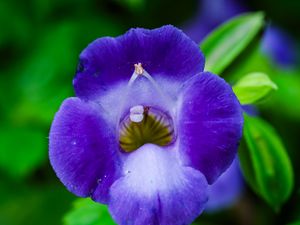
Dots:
(156, 189)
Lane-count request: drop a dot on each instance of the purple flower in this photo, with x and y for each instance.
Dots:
(148, 129)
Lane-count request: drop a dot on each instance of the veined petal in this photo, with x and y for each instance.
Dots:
(82, 149)
(209, 124)
(164, 52)
(120, 98)
(156, 189)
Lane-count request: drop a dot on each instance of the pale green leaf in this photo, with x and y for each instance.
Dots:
(225, 43)
(253, 87)
(88, 212)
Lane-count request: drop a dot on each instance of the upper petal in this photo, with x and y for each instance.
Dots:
(156, 189)
(209, 124)
(164, 52)
(82, 149)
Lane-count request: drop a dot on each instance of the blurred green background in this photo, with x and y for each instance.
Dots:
(40, 41)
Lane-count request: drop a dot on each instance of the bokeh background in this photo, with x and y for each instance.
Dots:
(40, 41)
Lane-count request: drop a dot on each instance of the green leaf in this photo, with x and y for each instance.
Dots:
(250, 61)
(16, 28)
(295, 223)
(265, 162)
(45, 78)
(287, 96)
(224, 44)
(132, 4)
(42, 204)
(87, 212)
(253, 87)
(21, 150)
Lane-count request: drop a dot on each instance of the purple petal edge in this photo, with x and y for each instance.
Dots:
(82, 149)
(163, 52)
(210, 123)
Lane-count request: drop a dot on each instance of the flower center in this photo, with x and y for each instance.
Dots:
(143, 125)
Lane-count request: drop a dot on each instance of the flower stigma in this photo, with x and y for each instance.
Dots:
(138, 69)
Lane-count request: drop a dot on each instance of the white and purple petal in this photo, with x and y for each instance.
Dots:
(156, 189)
(82, 149)
(209, 124)
(163, 52)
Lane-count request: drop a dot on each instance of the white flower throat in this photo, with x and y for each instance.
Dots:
(145, 124)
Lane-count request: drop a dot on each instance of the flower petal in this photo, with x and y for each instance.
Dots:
(156, 189)
(209, 124)
(226, 190)
(119, 99)
(165, 52)
(82, 149)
